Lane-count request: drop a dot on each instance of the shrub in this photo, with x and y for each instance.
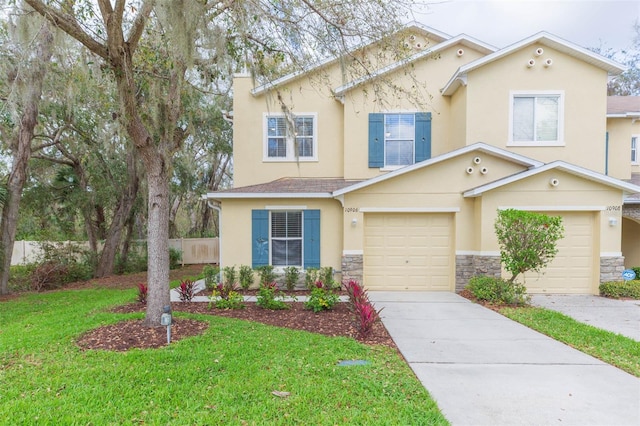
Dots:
(322, 298)
(229, 273)
(617, 289)
(20, 277)
(528, 241)
(186, 290)
(245, 276)
(267, 275)
(636, 269)
(497, 290)
(310, 277)
(136, 261)
(49, 275)
(269, 297)
(225, 297)
(325, 274)
(175, 257)
(365, 314)
(211, 276)
(291, 275)
(142, 292)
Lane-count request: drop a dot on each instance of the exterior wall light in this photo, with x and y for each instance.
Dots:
(354, 222)
(613, 221)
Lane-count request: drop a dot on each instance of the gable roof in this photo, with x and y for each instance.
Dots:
(623, 106)
(439, 36)
(543, 38)
(479, 146)
(626, 187)
(462, 39)
(287, 188)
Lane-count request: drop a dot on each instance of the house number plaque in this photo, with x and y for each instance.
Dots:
(351, 209)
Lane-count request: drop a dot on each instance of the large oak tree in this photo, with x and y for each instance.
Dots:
(158, 50)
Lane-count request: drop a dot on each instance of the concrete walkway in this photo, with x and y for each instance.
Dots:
(618, 316)
(484, 369)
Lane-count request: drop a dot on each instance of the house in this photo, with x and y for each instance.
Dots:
(399, 188)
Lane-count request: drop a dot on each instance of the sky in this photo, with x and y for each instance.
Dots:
(587, 23)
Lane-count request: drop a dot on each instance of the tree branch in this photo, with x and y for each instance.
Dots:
(70, 26)
(139, 24)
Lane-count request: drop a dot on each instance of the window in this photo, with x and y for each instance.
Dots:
(285, 238)
(536, 119)
(399, 139)
(634, 149)
(399, 133)
(290, 142)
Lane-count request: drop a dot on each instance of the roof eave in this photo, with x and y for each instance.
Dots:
(247, 195)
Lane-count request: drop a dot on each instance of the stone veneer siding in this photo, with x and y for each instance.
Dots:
(468, 265)
(352, 267)
(611, 268)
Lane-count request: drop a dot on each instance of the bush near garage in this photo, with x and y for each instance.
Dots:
(618, 289)
(498, 290)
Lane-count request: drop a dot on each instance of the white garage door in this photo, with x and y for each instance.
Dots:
(572, 269)
(408, 251)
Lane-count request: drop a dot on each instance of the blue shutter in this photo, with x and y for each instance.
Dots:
(311, 239)
(259, 238)
(423, 136)
(376, 140)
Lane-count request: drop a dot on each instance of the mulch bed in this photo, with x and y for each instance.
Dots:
(130, 334)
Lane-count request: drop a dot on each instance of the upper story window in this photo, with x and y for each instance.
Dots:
(634, 149)
(536, 119)
(399, 135)
(399, 139)
(290, 141)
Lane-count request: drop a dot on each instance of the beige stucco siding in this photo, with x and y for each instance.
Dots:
(620, 132)
(436, 188)
(584, 90)
(631, 243)
(431, 73)
(571, 194)
(302, 96)
(235, 228)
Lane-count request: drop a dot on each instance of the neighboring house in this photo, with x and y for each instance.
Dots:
(404, 197)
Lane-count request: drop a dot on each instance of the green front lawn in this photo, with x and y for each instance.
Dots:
(612, 348)
(225, 376)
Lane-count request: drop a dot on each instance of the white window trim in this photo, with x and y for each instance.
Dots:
(636, 161)
(290, 148)
(279, 268)
(560, 141)
(388, 168)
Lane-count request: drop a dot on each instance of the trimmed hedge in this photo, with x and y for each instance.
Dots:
(619, 289)
(497, 290)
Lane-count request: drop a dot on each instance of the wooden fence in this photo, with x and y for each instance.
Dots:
(194, 250)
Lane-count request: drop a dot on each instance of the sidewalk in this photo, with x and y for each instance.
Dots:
(484, 369)
(618, 316)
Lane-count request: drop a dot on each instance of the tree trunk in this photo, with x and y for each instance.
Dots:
(157, 236)
(114, 234)
(31, 80)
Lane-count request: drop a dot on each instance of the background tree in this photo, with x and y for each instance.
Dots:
(627, 83)
(528, 241)
(27, 56)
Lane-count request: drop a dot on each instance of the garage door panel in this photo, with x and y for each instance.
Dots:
(408, 251)
(572, 270)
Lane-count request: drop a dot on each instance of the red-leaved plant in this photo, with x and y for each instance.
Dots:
(361, 307)
(142, 292)
(186, 290)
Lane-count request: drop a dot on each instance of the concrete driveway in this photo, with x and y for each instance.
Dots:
(484, 369)
(618, 316)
